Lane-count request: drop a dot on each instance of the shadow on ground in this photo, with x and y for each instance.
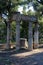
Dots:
(11, 59)
(34, 59)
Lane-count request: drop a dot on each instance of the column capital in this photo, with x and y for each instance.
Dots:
(16, 16)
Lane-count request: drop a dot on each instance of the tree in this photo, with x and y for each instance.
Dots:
(40, 1)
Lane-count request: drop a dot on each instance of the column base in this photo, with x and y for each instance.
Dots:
(7, 46)
(30, 48)
(35, 45)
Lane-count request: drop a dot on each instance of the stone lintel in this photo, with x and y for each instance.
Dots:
(18, 17)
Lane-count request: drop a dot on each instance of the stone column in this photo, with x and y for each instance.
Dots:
(30, 36)
(8, 36)
(17, 35)
(36, 36)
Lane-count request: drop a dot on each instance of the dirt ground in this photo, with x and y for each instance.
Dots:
(34, 57)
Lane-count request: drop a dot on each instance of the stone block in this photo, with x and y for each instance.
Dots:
(23, 43)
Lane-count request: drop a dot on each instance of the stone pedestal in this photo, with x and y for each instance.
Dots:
(36, 36)
(30, 36)
(23, 43)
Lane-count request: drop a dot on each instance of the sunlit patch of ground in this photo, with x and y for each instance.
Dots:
(28, 53)
(34, 57)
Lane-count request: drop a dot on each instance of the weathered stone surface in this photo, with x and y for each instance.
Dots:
(30, 36)
(36, 36)
(17, 35)
(17, 17)
(8, 36)
(23, 43)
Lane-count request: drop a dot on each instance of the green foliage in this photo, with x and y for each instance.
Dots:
(24, 29)
(2, 32)
(13, 33)
(40, 1)
(6, 7)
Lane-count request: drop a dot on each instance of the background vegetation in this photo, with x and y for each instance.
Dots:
(8, 6)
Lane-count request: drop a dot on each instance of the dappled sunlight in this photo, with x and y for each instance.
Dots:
(34, 57)
(21, 32)
(28, 53)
